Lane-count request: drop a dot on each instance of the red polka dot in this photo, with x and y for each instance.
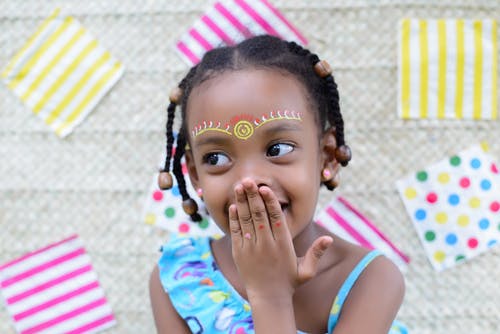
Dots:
(432, 197)
(494, 168)
(464, 182)
(184, 169)
(157, 195)
(495, 206)
(184, 228)
(472, 243)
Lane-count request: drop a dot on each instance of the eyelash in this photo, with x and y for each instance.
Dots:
(290, 146)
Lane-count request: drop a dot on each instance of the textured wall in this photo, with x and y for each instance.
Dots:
(94, 181)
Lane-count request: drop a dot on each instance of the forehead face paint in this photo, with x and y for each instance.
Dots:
(242, 127)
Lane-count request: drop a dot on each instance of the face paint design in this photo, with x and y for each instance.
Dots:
(242, 127)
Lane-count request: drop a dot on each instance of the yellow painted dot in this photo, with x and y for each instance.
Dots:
(410, 193)
(246, 307)
(150, 219)
(474, 202)
(444, 178)
(439, 256)
(463, 220)
(484, 146)
(441, 217)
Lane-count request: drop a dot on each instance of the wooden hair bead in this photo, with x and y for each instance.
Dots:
(322, 68)
(189, 206)
(175, 95)
(332, 183)
(165, 180)
(343, 154)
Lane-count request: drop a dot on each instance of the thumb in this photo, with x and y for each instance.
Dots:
(308, 264)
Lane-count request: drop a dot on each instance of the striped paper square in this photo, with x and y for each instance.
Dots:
(55, 290)
(343, 219)
(228, 22)
(447, 69)
(61, 73)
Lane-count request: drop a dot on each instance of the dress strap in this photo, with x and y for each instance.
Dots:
(347, 286)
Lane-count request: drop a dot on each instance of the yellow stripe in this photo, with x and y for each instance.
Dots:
(19, 77)
(424, 68)
(77, 87)
(478, 69)
(459, 87)
(442, 68)
(53, 63)
(89, 97)
(64, 76)
(405, 68)
(39, 31)
(494, 71)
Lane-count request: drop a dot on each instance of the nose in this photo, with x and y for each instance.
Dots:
(257, 171)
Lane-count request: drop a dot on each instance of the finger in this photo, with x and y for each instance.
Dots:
(234, 228)
(275, 215)
(257, 210)
(308, 264)
(244, 215)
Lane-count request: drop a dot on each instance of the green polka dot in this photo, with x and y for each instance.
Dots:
(169, 212)
(455, 160)
(204, 223)
(459, 258)
(499, 226)
(422, 176)
(430, 235)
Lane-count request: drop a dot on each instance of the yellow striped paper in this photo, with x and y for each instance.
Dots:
(61, 73)
(447, 69)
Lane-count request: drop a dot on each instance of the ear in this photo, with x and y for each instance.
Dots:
(191, 167)
(328, 146)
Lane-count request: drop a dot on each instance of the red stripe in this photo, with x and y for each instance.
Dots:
(41, 250)
(257, 18)
(42, 267)
(49, 284)
(66, 316)
(233, 20)
(200, 39)
(217, 30)
(285, 21)
(92, 325)
(373, 228)
(188, 53)
(346, 226)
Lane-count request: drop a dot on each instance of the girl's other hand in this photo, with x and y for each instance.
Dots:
(262, 245)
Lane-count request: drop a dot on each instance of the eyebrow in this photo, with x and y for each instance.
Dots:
(212, 140)
(281, 127)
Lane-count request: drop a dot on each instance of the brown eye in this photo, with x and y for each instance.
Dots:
(279, 149)
(215, 159)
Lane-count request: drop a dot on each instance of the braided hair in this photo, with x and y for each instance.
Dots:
(260, 52)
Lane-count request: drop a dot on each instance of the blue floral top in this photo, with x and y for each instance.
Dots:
(208, 302)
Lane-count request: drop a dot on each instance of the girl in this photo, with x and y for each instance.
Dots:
(261, 131)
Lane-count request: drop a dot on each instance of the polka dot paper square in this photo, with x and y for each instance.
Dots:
(455, 206)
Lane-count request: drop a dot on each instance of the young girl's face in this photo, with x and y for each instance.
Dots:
(238, 128)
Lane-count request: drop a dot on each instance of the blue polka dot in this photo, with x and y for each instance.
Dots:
(420, 214)
(484, 224)
(475, 163)
(492, 243)
(451, 239)
(175, 191)
(485, 184)
(454, 199)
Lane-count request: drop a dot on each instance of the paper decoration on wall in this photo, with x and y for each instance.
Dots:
(455, 206)
(61, 73)
(343, 219)
(55, 290)
(228, 22)
(448, 69)
(164, 209)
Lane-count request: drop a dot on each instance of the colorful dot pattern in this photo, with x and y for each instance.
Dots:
(455, 206)
(164, 209)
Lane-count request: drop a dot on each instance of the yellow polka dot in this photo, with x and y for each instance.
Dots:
(410, 193)
(474, 202)
(246, 307)
(150, 219)
(441, 217)
(439, 256)
(463, 220)
(444, 178)
(484, 146)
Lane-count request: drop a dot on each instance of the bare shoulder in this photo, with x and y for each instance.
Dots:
(166, 318)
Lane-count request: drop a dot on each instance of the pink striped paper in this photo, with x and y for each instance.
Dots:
(55, 290)
(228, 22)
(343, 219)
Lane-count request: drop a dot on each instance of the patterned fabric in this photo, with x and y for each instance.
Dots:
(189, 273)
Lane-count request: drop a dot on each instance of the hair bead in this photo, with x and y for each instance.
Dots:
(189, 206)
(165, 180)
(175, 95)
(322, 68)
(343, 154)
